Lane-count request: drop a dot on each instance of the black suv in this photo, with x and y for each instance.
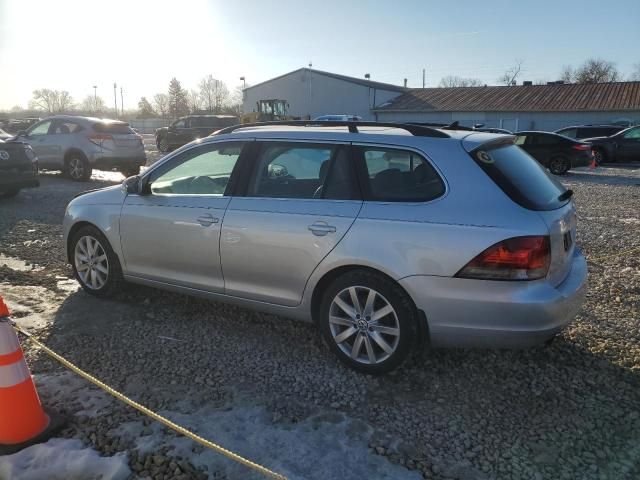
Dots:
(590, 131)
(624, 146)
(192, 127)
(18, 168)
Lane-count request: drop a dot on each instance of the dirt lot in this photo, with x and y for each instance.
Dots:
(268, 389)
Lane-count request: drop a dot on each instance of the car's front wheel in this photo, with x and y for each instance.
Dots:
(163, 144)
(95, 264)
(368, 321)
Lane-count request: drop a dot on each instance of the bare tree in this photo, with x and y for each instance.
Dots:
(194, 100)
(510, 77)
(214, 94)
(94, 104)
(567, 74)
(636, 72)
(593, 70)
(51, 101)
(455, 81)
(161, 104)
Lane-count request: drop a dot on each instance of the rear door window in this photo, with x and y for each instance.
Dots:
(523, 179)
(306, 171)
(394, 175)
(572, 132)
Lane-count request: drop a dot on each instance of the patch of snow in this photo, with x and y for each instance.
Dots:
(58, 388)
(63, 459)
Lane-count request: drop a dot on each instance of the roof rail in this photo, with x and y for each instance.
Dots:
(413, 129)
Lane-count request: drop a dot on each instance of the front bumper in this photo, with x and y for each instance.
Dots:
(482, 313)
(13, 179)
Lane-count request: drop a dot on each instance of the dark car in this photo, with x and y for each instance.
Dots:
(557, 153)
(18, 168)
(192, 127)
(493, 130)
(590, 131)
(624, 146)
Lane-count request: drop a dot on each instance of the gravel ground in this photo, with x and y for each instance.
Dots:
(568, 410)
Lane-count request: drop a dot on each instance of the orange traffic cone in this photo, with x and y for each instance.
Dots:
(22, 419)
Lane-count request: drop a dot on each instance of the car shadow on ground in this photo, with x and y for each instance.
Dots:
(544, 407)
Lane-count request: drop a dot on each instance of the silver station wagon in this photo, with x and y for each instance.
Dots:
(389, 237)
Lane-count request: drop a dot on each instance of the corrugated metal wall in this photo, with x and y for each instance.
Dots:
(312, 94)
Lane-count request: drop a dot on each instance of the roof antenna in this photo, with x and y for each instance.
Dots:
(310, 64)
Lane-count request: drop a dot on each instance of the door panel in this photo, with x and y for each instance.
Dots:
(629, 146)
(270, 247)
(174, 239)
(302, 199)
(171, 232)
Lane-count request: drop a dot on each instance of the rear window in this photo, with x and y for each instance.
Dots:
(119, 128)
(523, 179)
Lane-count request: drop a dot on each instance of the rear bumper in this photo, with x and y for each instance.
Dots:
(11, 180)
(110, 163)
(481, 313)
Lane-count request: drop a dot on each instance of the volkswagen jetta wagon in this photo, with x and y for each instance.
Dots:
(382, 234)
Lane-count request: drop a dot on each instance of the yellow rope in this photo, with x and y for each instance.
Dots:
(141, 408)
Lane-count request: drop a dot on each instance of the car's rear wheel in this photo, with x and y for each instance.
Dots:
(95, 264)
(163, 144)
(368, 321)
(9, 193)
(78, 168)
(559, 165)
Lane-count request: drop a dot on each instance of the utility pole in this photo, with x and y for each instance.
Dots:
(424, 77)
(95, 98)
(115, 98)
(121, 102)
(244, 83)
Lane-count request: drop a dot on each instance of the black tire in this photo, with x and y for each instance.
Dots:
(130, 171)
(405, 317)
(600, 156)
(9, 193)
(114, 277)
(559, 165)
(163, 144)
(77, 168)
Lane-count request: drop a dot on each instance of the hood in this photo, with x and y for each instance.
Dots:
(113, 195)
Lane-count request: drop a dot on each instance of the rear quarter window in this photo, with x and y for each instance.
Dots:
(394, 175)
(523, 179)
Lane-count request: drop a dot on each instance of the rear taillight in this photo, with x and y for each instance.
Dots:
(582, 147)
(518, 258)
(99, 138)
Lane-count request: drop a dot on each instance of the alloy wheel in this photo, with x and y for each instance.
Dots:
(76, 168)
(91, 262)
(364, 325)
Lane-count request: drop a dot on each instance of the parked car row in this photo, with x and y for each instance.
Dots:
(189, 128)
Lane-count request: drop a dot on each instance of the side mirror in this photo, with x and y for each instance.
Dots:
(131, 185)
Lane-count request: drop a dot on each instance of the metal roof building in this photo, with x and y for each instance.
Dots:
(518, 107)
(311, 93)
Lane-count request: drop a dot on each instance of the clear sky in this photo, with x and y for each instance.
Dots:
(75, 44)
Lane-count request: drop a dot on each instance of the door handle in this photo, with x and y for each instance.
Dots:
(321, 228)
(207, 220)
